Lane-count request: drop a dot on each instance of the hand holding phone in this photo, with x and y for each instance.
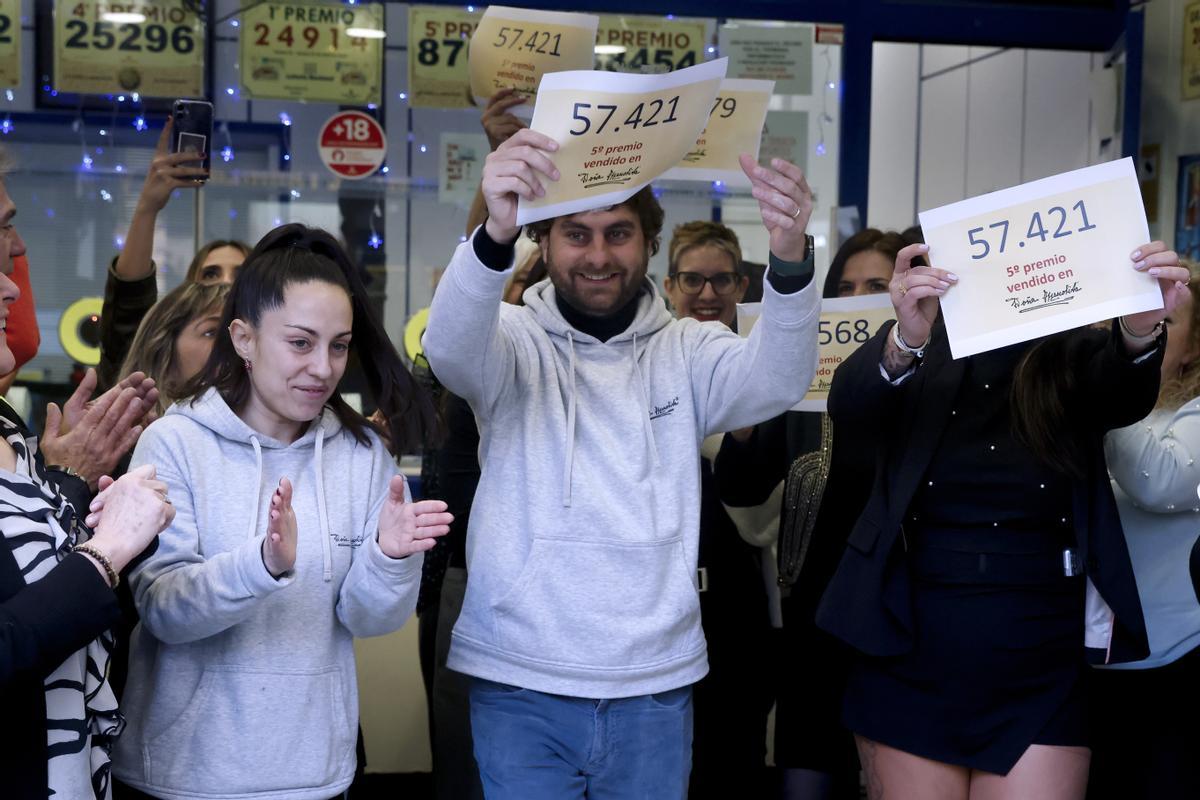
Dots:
(192, 131)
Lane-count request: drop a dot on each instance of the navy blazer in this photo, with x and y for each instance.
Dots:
(868, 603)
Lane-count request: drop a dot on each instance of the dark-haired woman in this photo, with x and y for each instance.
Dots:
(989, 558)
(813, 750)
(294, 534)
(131, 287)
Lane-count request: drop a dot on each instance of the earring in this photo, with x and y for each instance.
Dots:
(249, 366)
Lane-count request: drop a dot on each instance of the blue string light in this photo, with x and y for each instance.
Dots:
(6, 127)
(285, 119)
(376, 241)
(139, 123)
(227, 154)
(87, 161)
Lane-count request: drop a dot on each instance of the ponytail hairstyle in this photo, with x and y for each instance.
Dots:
(294, 254)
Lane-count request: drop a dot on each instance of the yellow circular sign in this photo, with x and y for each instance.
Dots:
(413, 332)
(83, 310)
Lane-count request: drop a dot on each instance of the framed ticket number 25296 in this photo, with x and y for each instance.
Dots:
(98, 52)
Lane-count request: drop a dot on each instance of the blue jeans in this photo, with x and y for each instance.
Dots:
(536, 746)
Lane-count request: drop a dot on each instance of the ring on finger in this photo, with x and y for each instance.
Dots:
(903, 289)
(796, 213)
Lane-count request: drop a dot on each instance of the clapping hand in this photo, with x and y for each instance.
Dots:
(406, 528)
(90, 436)
(279, 547)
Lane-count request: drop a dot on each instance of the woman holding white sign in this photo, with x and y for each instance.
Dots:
(963, 586)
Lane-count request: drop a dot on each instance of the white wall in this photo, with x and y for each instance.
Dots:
(1167, 119)
(981, 119)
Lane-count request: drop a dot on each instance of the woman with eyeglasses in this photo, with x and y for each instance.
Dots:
(706, 281)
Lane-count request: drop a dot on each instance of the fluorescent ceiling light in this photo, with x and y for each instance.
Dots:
(365, 33)
(609, 49)
(119, 17)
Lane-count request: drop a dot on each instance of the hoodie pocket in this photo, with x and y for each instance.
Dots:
(254, 730)
(601, 604)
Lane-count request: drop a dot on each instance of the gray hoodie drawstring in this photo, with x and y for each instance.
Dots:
(569, 461)
(257, 488)
(322, 514)
(646, 429)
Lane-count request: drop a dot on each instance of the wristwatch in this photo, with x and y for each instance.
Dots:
(66, 470)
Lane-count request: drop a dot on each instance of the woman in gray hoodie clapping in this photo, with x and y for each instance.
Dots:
(293, 534)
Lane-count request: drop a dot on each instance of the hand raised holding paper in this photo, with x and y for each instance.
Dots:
(516, 169)
(499, 123)
(915, 292)
(785, 202)
(1156, 260)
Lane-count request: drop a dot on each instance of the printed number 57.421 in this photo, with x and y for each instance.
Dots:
(633, 119)
(1056, 216)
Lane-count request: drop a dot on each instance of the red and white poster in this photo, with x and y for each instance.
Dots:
(352, 144)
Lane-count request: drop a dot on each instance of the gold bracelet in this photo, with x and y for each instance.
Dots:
(114, 578)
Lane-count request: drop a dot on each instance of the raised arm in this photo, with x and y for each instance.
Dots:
(464, 342)
(741, 382)
(168, 172)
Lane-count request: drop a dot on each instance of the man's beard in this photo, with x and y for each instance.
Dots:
(565, 287)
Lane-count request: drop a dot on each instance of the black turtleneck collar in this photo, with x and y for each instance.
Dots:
(603, 328)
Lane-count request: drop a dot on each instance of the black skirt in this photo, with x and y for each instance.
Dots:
(997, 663)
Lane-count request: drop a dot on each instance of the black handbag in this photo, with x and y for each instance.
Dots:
(803, 489)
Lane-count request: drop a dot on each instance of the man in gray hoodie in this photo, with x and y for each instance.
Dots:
(581, 624)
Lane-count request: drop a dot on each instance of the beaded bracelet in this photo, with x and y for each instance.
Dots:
(114, 578)
(918, 352)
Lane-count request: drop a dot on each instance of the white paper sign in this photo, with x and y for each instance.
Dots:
(616, 132)
(514, 47)
(460, 166)
(1043, 257)
(846, 324)
(735, 126)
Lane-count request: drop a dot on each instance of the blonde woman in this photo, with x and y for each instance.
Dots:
(1144, 743)
(175, 339)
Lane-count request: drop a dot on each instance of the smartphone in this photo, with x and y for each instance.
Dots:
(193, 130)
